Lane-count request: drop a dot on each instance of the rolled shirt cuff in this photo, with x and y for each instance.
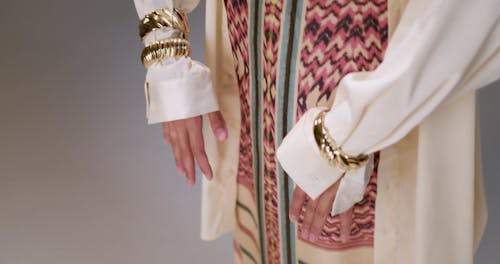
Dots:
(179, 90)
(300, 157)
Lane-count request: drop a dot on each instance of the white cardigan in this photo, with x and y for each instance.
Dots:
(419, 111)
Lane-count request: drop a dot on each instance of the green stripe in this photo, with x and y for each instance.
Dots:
(255, 55)
(283, 109)
(288, 114)
(246, 209)
(288, 117)
(248, 254)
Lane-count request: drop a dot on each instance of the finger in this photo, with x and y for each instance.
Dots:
(323, 209)
(298, 200)
(308, 218)
(186, 155)
(218, 125)
(166, 133)
(198, 148)
(177, 153)
(320, 214)
(345, 225)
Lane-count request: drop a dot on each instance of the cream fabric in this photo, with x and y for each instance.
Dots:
(219, 194)
(175, 88)
(430, 204)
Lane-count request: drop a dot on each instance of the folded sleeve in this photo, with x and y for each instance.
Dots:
(175, 88)
(440, 50)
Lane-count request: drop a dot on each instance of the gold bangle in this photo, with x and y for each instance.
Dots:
(165, 18)
(331, 151)
(158, 50)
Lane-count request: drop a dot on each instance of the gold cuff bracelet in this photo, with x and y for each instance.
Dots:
(331, 151)
(171, 47)
(165, 18)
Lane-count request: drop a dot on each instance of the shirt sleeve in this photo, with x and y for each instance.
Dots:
(175, 88)
(441, 49)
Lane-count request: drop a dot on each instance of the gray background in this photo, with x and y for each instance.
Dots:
(83, 179)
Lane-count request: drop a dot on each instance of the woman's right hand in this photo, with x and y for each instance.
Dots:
(186, 138)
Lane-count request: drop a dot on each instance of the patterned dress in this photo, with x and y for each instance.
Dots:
(290, 56)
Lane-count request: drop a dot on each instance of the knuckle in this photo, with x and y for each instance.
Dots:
(319, 213)
(188, 159)
(311, 205)
(191, 125)
(200, 145)
(189, 164)
(174, 135)
(189, 167)
(193, 122)
(198, 150)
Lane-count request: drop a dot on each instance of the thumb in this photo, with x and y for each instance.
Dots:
(218, 125)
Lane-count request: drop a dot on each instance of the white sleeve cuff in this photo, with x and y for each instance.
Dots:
(179, 90)
(299, 156)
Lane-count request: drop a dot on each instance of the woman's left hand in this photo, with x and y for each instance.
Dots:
(316, 211)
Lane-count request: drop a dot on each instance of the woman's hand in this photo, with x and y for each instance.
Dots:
(316, 213)
(186, 138)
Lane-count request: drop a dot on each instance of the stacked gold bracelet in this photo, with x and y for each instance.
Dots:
(175, 19)
(331, 151)
(165, 18)
(171, 47)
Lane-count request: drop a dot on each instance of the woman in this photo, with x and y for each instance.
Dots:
(360, 101)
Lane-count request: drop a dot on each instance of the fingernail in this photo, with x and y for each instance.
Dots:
(221, 134)
(209, 175)
(293, 218)
(312, 237)
(190, 183)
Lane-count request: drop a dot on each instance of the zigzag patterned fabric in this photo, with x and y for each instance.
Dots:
(290, 56)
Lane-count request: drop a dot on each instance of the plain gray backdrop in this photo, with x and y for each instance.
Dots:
(83, 179)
